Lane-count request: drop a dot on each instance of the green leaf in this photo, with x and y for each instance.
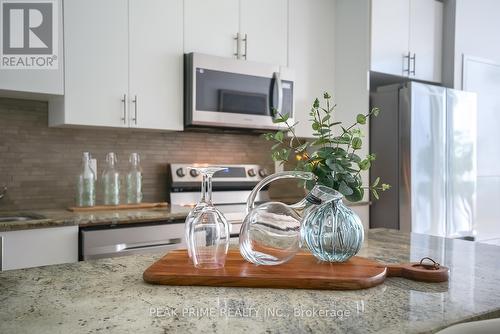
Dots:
(326, 118)
(361, 119)
(356, 196)
(354, 157)
(344, 189)
(375, 194)
(356, 143)
(341, 140)
(334, 165)
(325, 152)
(316, 126)
(316, 104)
(268, 136)
(375, 111)
(278, 136)
(308, 167)
(376, 182)
(364, 164)
(385, 186)
(345, 163)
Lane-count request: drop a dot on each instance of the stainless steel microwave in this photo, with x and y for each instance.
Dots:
(232, 93)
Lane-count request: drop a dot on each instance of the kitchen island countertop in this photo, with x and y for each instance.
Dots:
(109, 296)
(61, 217)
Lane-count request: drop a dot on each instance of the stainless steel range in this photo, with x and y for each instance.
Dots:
(230, 189)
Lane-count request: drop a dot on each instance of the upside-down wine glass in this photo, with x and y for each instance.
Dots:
(207, 230)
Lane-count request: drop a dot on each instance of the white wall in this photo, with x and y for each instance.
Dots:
(352, 61)
(477, 33)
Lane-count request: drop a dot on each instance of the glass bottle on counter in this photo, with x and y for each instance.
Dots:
(111, 181)
(134, 180)
(85, 195)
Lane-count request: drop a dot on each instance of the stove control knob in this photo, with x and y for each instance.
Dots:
(251, 172)
(194, 173)
(180, 172)
(262, 172)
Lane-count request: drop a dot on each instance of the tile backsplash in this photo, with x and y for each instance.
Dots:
(39, 164)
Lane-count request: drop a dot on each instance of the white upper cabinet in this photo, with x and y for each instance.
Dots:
(389, 36)
(247, 29)
(96, 66)
(123, 65)
(426, 39)
(156, 64)
(15, 82)
(311, 56)
(406, 38)
(210, 27)
(265, 25)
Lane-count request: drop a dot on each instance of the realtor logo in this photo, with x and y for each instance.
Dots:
(28, 34)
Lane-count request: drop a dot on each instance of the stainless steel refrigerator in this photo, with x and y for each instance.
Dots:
(425, 143)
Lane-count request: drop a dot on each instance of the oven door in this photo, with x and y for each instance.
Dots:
(233, 93)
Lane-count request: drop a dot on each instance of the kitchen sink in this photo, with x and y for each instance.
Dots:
(20, 218)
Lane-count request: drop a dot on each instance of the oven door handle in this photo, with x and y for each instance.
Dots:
(123, 248)
(279, 87)
(142, 245)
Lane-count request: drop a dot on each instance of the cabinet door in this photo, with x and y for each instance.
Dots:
(211, 26)
(311, 56)
(156, 64)
(426, 39)
(266, 25)
(389, 36)
(39, 247)
(96, 64)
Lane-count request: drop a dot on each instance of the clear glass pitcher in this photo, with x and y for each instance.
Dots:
(273, 232)
(270, 234)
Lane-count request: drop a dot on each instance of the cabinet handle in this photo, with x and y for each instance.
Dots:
(406, 59)
(414, 58)
(238, 46)
(124, 100)
(246, 46)
(135, 109)
(279, 86)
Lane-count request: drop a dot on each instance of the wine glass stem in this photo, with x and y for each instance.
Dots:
(209, 189)
(203, 188)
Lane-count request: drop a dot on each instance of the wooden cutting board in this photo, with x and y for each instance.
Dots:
(304, 271)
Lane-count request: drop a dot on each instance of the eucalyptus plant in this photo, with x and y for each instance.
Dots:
(332, 155)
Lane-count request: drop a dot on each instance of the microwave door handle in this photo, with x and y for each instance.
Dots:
(279, 86)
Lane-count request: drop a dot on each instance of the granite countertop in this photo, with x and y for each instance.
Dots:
(62, 217)
(110, 296)
(53, 218)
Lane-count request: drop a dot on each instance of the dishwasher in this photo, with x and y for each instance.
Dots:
(135, 238)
